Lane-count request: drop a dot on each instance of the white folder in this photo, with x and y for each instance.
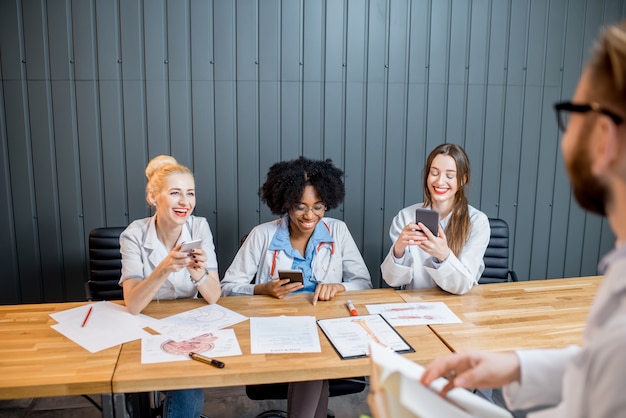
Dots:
(396, 392)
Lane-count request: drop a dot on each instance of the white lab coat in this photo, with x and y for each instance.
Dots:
(417, 269)
(142, 252)
(344, 265)
(586, 381)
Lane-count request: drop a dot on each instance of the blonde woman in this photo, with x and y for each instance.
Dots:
(155, 267)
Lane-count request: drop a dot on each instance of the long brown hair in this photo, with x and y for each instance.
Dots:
(458, 228)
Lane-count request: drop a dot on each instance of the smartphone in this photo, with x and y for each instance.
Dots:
(430, 218)
(190, 245)
(292, 275)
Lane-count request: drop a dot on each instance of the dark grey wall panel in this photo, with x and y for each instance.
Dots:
(91, 90)
(45, 188)
(83, 42)
(19, 145)
(72, 233)
(8, 250)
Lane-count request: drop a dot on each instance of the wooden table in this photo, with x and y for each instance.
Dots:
(507, 316)
(37, 361)
(132, 376)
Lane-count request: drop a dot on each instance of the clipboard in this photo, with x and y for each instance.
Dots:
(351, 336)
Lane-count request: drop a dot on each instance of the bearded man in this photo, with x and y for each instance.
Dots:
(585, 381)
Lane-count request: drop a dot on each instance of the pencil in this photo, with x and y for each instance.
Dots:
(87, 316)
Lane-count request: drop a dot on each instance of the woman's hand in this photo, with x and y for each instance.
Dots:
(408, 236)
(474, 370)
(138, 293)
(278, 288)
(197, 265)
(175, 261)
(435, 246)
(327, 291)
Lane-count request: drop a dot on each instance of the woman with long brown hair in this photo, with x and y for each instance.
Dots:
(452, 256)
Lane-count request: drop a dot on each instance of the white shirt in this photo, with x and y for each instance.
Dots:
(341, 264)
(142, 251)
(586, 381)
(417, 269)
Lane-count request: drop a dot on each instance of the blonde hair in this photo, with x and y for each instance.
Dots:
(158, 170)
(607, 68)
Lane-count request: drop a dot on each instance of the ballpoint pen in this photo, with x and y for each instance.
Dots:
(87, 316)
(203, 359)
(351, 308)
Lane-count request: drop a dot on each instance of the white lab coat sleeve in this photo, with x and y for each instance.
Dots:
(202, 230)
(246, 264)
(356, 276)
(541, 377)
(398, 272)
(131, 241)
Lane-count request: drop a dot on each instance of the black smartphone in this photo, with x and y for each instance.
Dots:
(292, 275)
(430, 219)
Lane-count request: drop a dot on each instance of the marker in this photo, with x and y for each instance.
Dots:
(351, 308)
(87, 316)
(203, 359)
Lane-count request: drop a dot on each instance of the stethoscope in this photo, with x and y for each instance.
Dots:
(319, 246)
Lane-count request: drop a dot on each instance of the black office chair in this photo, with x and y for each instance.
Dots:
(105, 269)
(497, 254)
(105, 264)
(278, 391)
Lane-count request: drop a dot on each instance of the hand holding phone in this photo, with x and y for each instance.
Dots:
(190, 245)
(292, 275)
(430, 219)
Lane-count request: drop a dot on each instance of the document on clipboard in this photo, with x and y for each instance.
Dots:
(351, 336)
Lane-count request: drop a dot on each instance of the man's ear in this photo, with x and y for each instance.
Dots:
(604, 146)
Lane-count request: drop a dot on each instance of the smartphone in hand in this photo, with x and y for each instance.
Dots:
(292, 275)
(430, 219)
(190, 245)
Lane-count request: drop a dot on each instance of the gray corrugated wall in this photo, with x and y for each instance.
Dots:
(92, 89)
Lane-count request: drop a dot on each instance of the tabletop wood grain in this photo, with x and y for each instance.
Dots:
(130, 375)
(37, 361)
(507, 316)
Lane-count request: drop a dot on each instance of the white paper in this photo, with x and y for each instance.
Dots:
(415, 313)
(161, 348)
(195, 322)
(352, 335)
(397, 381)
(108, 325)
(284, 334)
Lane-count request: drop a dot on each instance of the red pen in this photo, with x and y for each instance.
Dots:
(351, 308)
(87, 316)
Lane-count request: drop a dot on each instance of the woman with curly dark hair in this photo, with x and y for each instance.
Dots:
(300, 191)
(451, 257)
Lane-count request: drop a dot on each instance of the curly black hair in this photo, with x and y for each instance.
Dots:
(286, 181)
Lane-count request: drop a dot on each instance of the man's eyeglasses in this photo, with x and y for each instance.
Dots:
(301, 208)
(564, 109)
